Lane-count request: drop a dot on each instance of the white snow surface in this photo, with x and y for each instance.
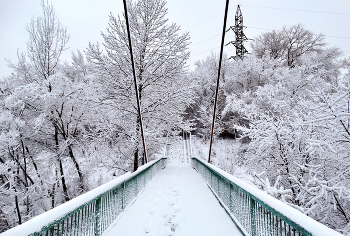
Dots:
(38, 222)
(177, 201)
(314, 227)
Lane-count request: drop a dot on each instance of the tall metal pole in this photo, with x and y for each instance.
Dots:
(217, 83)
(135, 82)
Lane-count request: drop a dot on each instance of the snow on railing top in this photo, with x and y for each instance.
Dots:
(40, 221)
(295, 216)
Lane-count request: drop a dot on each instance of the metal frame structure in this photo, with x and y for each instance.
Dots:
(254, 211)
(91, 217)
(240, 36)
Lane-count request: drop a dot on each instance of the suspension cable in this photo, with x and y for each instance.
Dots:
(217, 83)
(135, 82)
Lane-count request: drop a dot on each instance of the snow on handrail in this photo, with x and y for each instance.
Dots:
(93, 212)
(254, 211)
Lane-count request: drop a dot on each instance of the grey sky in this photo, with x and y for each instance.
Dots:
(85, 19)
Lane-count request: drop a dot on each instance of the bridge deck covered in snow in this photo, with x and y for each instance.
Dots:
(176, 202)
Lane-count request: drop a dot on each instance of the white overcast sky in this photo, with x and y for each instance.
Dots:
(85, 19)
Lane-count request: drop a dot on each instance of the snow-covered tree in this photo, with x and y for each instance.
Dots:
(296, 124)
(160, 55)
(288, 44)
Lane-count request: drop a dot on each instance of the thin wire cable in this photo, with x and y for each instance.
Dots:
(203, 22)
(327, 36)
(135, 82)
(289, 9)
(217, 83)
(205, 40)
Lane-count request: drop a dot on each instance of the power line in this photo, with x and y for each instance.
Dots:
(202, 52)
(204, 22)
(290, 9)
(328, 36)
(206, 39)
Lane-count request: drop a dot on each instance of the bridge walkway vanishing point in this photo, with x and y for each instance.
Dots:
(176, 202)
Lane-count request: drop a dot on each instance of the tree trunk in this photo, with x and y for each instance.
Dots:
(18, 212)
(136, 159)
(52, 195)
(143, 159)
(81, 177)
(64, 186)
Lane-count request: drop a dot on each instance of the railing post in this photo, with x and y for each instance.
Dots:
(136, 185)
(252, 217)
(123, 195)
(230, 205)
(97, 216)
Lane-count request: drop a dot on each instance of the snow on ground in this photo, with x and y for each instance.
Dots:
(176, 202)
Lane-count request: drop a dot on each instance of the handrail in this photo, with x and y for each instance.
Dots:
(254, 211)
(93, 212)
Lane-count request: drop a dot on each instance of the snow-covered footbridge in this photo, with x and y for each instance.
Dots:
(169, 197)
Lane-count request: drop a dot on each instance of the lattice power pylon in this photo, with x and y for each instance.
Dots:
(240, 36)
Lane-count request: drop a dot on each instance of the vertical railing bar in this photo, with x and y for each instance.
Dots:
(85, 219)
(71, 224)
(97, 217)
(87, 216)
(260, 222)
(273, 224)
(285, 229)
(257, 215)
(93, 208)
(289, 233)
(230, 207)
(244, 215)
(264, 224)
(281, 231)
(80, 222)
(107, 217)
(83, 216)
(113, 208)
(89, 226)
(270, 223)
(76, 224)
(91, 221)
(58, 229)
(63, 225)
(110, 207)
(103, 212)
(247, 212)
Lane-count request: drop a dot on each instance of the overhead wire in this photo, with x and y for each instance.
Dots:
(290, 9)
(204, 22)
(207, 50)
(328, 36)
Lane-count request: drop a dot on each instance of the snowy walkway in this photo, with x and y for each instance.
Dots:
(176, 202)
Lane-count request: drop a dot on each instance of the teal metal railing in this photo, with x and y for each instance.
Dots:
(97, 209)
(254, 211)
